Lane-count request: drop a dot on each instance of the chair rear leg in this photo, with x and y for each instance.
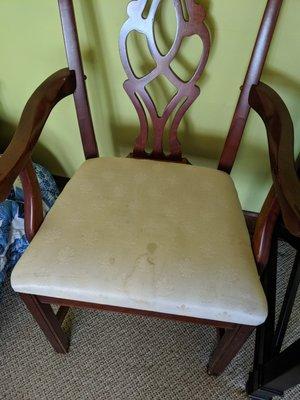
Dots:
(48, 322)
(229, 345)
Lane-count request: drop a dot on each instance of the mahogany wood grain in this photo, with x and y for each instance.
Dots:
(136, 87)
(33, 206)
(271, 108)
(257, 62)
(35, 114)
(81, 100)
(125, 310)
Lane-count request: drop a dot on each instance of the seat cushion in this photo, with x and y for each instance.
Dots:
(148, 235)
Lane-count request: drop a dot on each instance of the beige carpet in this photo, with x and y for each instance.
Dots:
(121, 357)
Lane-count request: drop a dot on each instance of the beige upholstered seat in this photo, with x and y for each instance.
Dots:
(148, 235)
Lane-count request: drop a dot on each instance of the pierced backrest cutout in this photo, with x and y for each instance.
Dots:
(190, 21)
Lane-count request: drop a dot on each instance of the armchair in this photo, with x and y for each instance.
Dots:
(159, 237)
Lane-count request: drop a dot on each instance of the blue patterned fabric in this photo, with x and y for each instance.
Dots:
(13, 241)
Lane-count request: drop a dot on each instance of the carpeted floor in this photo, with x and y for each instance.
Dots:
(121, 357)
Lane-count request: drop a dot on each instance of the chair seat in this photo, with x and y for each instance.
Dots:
(149, 235)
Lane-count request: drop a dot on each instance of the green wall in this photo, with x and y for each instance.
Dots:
(32, 48)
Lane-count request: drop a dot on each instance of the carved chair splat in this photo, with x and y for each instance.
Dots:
(17, 158)
(136, 87)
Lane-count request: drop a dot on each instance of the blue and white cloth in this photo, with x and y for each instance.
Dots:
(13, 241)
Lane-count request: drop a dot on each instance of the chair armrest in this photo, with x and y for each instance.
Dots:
(280, 131)
(34, 116)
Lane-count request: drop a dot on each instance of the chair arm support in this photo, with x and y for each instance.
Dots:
(35, 114)
(280, 131)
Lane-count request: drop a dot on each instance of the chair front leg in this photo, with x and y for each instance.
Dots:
(48, 322)
(229, 345)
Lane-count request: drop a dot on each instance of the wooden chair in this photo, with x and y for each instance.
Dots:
(150, 234)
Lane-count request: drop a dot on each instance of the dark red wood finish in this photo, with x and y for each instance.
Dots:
(253, 76)
(124, 310)
(33, 119)
(264, 228)
(48, 322)
(229, 345)
(16, 159)
(280, 131)
(136, 87)
(265, 225)
(33, 206)
(81, 100)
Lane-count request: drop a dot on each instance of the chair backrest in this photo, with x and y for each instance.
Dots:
(189, 22)
(190, 17)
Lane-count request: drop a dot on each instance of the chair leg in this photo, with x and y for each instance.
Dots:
(48, 322)
(229, 345)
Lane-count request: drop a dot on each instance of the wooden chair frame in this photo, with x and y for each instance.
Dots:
(17, 161)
